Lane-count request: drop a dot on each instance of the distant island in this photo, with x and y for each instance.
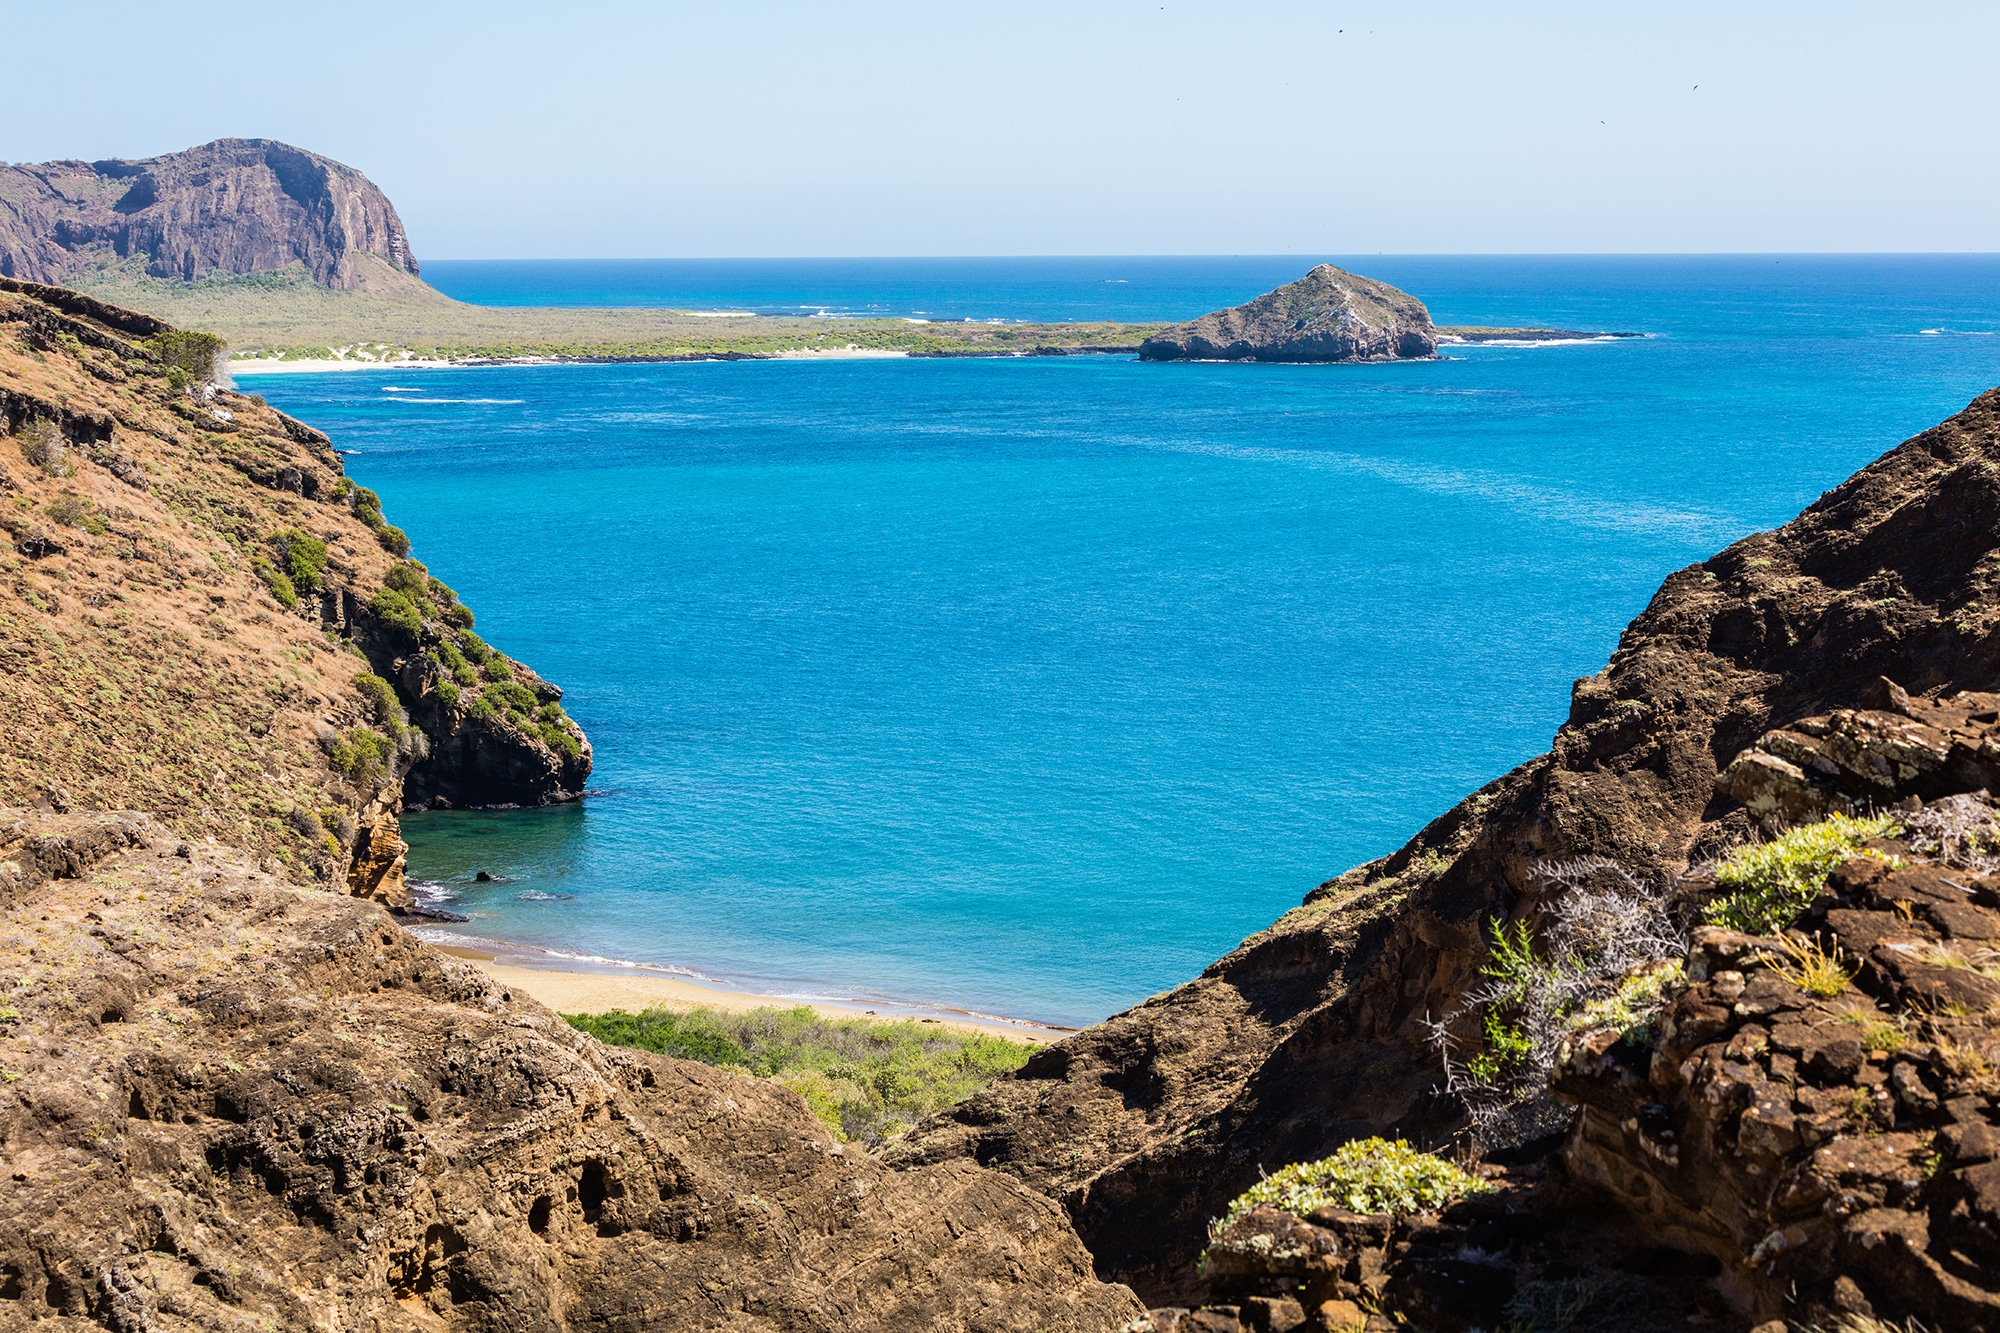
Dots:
(295, 259)
(291, 256)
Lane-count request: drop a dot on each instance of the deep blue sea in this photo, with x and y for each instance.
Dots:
(1032, 686)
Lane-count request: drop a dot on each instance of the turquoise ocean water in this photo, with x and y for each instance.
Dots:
(1031, 686)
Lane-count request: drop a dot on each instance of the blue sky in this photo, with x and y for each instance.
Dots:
(505, 130)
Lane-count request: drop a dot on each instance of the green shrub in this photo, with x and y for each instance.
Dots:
(362, 756)
(475, 647)
(394, 540)
(304, 557)
(867, 1080)
(44, 448)
(193, 354)
(512, 696)
(1768, 884)
(482, 710)
(465, 675)
(76, 511)
(560, 739)
(447, 691)
(395, 610)
(459, 614)
(409, 578)
(1366, 1176)
(496, 668)
(281, 587)
(381, 697)
(452, 658)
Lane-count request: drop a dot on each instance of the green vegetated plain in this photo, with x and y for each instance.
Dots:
(285, 314)
(868, 1080)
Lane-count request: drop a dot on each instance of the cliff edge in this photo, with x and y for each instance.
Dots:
(233, 1091)
(1317, 1031)
(203, 618)
(228, 208)
(1328, 315)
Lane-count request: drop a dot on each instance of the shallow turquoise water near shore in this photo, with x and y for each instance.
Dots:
(1031, 686)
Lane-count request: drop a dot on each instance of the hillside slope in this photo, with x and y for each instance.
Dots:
(189, 592)
(233, 1091)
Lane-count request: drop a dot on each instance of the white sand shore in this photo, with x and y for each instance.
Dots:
(273, 366)
(594, 993)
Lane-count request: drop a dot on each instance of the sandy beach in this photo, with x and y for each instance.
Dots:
(595, 992)
(273, 366)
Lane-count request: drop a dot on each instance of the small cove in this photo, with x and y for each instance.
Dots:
(1032, 686)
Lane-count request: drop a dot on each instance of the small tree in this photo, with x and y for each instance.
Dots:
(189, 357)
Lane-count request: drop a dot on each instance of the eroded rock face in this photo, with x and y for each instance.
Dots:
(235, 206)
(1328, 315)
(233, 1102)
(1312, 1032)
(1831, 1151)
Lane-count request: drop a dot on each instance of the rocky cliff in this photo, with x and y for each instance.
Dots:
(233, 1091)
(201, 617)
(1314, 1032)
(232, 207)
(1328, 315)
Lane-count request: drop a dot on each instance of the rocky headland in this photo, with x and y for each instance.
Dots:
(1328, 315)
(237, 1093)
(1321, 1029)
(229, 208)
(235, 1089)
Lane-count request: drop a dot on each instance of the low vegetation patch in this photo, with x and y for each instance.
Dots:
(1366, 1176)
(867, 1080)
(361, 755)
(76, 511)
(303, 557)
(1608, 956)
(1767, 885)
(44, 448)
(1813, 967)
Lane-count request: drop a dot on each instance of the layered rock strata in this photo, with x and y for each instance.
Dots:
(234, 1102)
(1328, 315)
(231, 207)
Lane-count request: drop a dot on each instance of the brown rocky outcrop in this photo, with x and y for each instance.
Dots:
(232, 207)
(1830, 1144)
(145, 659)
(234, 1102)
(1328, 315)
(1312, 1033)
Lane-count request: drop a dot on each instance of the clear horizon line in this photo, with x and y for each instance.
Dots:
(1246, 254)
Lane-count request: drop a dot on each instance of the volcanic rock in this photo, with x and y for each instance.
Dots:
(1313, 1032)
(1328, 315)
(232, 207)
(233, 1102)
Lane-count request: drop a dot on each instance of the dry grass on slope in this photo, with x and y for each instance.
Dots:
(144, 664)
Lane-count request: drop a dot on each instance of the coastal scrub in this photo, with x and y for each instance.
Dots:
(867, 1080)
(1373, 1175)
(1768, 884)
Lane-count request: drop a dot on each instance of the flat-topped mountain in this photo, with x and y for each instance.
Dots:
(229, 208)
(1328, 315)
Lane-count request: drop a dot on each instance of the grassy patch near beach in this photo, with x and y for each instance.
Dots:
(284, 314)
(867, 1079)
